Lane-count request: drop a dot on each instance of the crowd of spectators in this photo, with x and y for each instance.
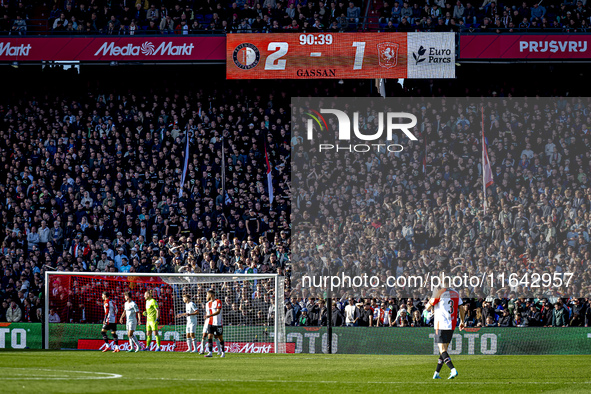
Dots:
(411, 312)
(187, 17)
(245, 16)
(486, 17)
(13, 18)
(420, 211)
(93, 184)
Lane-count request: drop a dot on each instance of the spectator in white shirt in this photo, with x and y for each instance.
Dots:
(53, 317)
(351, 313)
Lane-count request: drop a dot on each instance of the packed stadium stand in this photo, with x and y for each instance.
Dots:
(197, 17)
(90, 182)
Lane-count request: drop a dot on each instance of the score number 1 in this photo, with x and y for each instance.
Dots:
(359, 52)
(279, 49)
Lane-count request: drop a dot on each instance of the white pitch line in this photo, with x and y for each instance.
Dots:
(342, 382)
(64, 378)
(28, 374)
(6, 371)
(289, 358)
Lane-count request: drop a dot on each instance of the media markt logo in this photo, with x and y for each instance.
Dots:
(432, 55)
(147, 48)
(393, 121)
(6, 49)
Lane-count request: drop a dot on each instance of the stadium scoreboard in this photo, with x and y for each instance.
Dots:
(340, 55)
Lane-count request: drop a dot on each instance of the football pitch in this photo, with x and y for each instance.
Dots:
(146, 372)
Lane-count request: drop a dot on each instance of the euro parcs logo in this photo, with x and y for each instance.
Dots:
(432, 55)
(389, 123)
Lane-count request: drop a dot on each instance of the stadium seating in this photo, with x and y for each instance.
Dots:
(36, 17)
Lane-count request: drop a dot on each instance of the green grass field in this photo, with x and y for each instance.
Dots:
(95, 372)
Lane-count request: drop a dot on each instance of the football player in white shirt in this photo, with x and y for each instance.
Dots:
(445, 303)
(132, 313)
(213, 318)
(191, 315)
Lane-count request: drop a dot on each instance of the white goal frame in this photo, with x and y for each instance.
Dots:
(211, 278)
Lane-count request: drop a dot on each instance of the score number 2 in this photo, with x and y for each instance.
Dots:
(274, 61)
(280, 49)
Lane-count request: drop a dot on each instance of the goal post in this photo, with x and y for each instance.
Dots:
(73, 310)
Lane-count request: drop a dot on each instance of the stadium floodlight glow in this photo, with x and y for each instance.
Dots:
(243, 333)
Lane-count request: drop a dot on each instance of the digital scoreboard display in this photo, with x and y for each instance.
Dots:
(340, 55)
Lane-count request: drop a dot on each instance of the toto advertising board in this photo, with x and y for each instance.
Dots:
(211, 48)
(345, 340)
(413, 341)
(20, 336)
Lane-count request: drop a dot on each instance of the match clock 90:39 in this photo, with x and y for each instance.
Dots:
(316, 55)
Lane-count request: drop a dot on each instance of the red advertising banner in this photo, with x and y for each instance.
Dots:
(525, 46)
(171, 346)
(145, 48)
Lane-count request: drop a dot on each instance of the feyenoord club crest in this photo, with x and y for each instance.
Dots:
(388, 54)
(246, 56)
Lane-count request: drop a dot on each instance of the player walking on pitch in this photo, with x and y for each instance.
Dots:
(191, 314)
(152, 313)
(445, 305)
(213, 319)
(132, 313)
(204, 340)
(109, 323)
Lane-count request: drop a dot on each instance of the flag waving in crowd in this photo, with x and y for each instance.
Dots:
(269, 176)
(425, 158)
(487, 176)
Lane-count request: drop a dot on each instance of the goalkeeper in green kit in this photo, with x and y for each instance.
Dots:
(152, 314)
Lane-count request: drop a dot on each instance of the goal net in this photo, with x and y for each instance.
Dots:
(74, 309)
